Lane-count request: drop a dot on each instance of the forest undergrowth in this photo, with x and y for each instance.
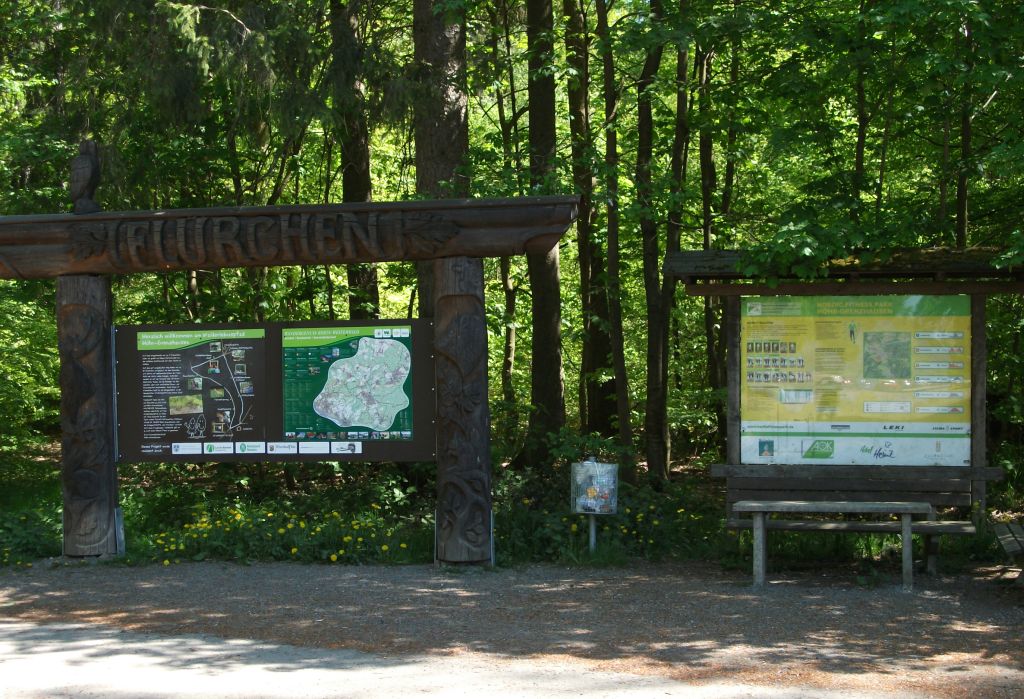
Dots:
(338, 514)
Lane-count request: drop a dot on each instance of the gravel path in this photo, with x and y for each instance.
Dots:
(689, 623)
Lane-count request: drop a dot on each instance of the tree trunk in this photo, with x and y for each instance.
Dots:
(708, 184)
(354, 143)
(678, 167)
(965, 140)
(611, 162)
(656, 414)
(547, 384)
(440, 115)
(860, 60)
(511, 160)
(597, 395)
(730, 137)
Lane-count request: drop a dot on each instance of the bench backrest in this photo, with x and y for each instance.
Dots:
(941, 486)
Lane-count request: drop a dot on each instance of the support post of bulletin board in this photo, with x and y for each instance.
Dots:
(979, 436)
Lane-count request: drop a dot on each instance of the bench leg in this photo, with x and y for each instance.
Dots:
(908, 554)
(760, 549)
(931, 549)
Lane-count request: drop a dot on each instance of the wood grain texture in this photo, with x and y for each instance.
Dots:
(732, 339)
(827, 471)
(146, 241)
(865, 526)
(952, 499)
(979, 387)
(935, 263)
(832, 507)
(856, 288)
(88, 472)
(463, 420)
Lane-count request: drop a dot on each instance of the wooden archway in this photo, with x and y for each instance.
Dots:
(83, 250)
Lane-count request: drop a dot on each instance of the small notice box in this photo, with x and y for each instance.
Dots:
(595, 487)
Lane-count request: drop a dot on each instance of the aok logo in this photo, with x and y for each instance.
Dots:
(820, 449)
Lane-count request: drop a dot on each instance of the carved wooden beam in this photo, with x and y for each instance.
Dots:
(147, 241)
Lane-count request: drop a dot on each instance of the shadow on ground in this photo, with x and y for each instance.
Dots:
(692, 622)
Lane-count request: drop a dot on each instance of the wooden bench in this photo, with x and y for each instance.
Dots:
(760, 509)
(940, 486)
(1011, 538)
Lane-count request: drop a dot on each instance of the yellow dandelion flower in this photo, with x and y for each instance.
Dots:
(280, 530)
(302, 525)
(346, 539)
(360, 539)
(291, 526)
(403, 546)
(384, 547)
(270, 514)
(166, 562)
(341, 552)
(573, 527)
(333, 558)
(294, 550)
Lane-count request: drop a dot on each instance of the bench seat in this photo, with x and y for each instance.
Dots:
(924, 527)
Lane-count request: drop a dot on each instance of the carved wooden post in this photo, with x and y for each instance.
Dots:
(92, 524)
(463, 421)
(88, 472)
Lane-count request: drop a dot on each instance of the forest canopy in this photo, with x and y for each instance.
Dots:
(798, 132)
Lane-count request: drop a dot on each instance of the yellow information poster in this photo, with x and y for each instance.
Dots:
(855, 380)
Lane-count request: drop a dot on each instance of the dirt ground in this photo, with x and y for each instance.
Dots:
(953, 636)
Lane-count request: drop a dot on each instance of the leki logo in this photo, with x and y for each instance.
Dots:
(821, 449)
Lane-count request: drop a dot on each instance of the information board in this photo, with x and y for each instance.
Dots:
(347, 383)
(358, 391)
(855, 380)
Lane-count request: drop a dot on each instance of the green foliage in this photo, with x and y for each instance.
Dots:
(28, 534)
(29, 393)
(249, 532)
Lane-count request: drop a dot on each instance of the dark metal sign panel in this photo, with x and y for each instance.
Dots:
(355, 391)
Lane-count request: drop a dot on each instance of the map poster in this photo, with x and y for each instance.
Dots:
(862, 380)
(193, 392)
(347, 385)
(271, 392)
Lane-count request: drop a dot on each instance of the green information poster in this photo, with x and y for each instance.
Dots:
(200, 391)
(856, 380)
(347, 383)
